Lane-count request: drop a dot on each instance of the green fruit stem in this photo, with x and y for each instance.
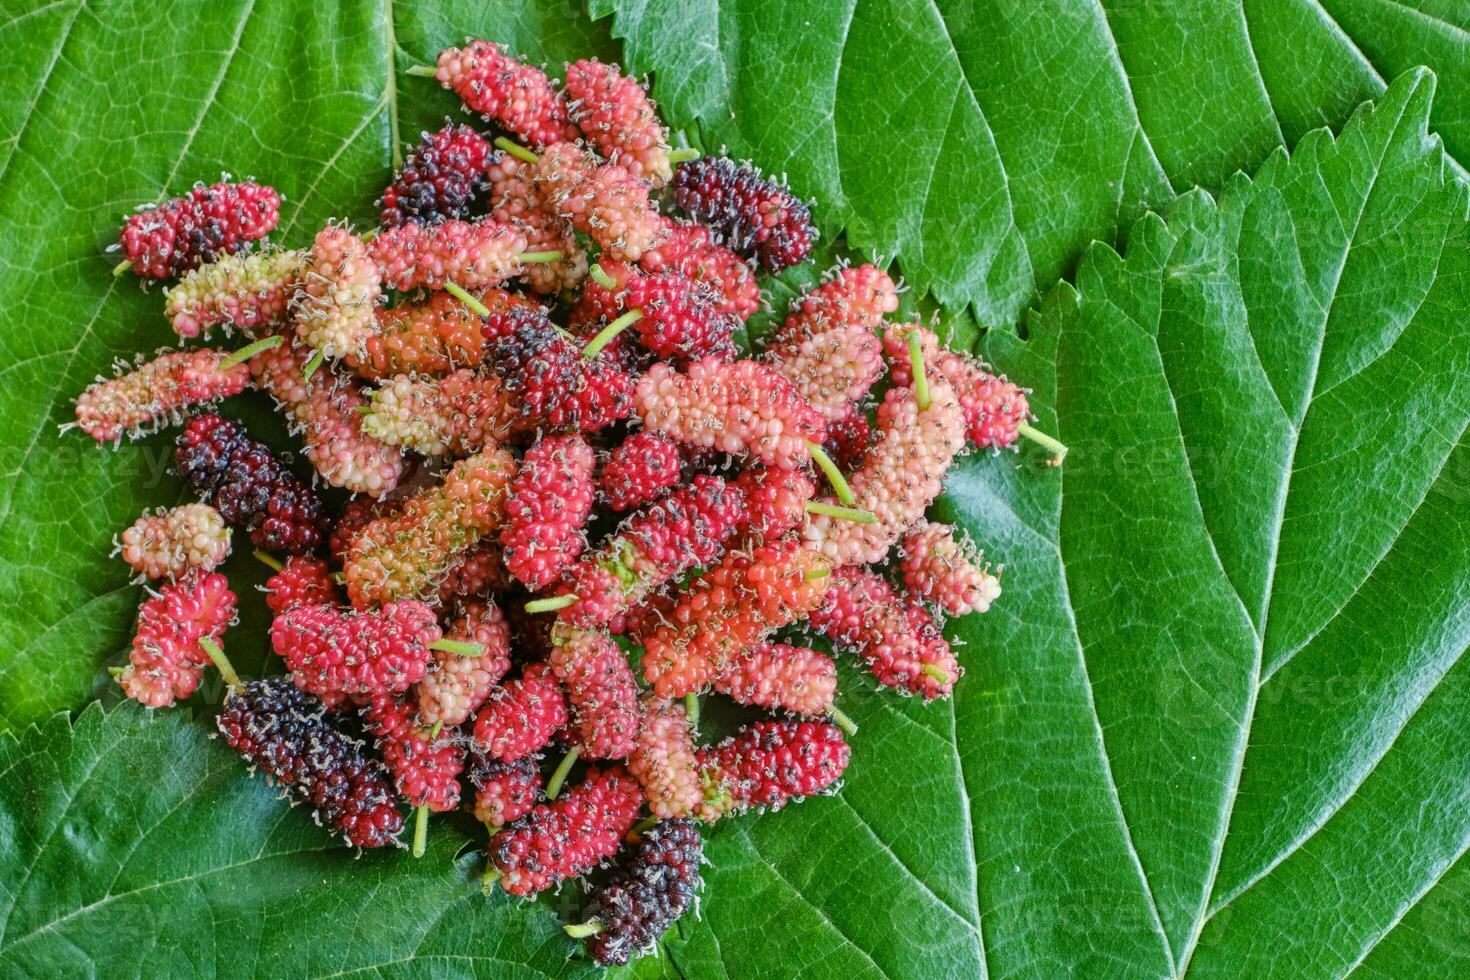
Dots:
(581, 930)
(250, 350)
(606, 334)
(421, 71)
(685, 153)
(551, 255)
(600, 277)
(916, 362)
(312, 365)
(516, 150)
(841, 720)
(853, 514)
(458, 292)
(834, 475)
(815, 574)
(691, 709)
(269, 560)
(550, 604)
(226, 669)
(553, 787)
(122, 267)
(1057, 448)
(458, 647)
(420, 830)
(938, 673)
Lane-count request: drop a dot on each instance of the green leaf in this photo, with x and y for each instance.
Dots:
(985, 144)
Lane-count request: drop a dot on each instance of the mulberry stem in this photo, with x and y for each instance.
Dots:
(607, 333)
(813, 574)
(644, 826)
(938, 673)
(550, 604)
(226, 669)
(458, 292)
(684, 153)
(268, 560)
(691, 709)
(916, 364)
(438, 727)
(841, 720)
(122, 267)
(834, 475)
(1058, 449)
(458, 647)
(842, 513)
(552, 255)
(489, 880)
(250, 350)
(553, 786)
(420, 830)
(311, 366)
(516, 150)
(581, 930)
(421, 71)
(601, 278)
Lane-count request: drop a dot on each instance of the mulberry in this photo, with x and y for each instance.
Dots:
(440, 178)
(206, 223)
(339, 654)
(457, 685)
(302, 581)
(472, 255)
(284, 732)
(167, 659)
(430, 338)
(857, 296)
(605, 202)
(676, 318)
(480, 571)
(326, 410)
(728, 610)
(336, 311)
(776, 498)
(618, 119)
(688, 249)
(832, 370)
(504, 791)
(770, 764)
(425, 767)
(664, 763)
(569, 836)
(651, 890)
(945, 571)
(462, 413)
(849, 437)
(639, 470)
(557, 386)
(734, 407)
(358, 514)
(405, 555)
(522, 716)
(515, 201)
(249, 486)
(600, 686)
(248, 291)
(546, 513)
(138, 401)
(500, 88)
(754, 214)
(781, 677)
(171, 543)
(900, 642)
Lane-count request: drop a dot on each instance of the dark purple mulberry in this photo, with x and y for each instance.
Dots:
(755, 215)
(658, 884)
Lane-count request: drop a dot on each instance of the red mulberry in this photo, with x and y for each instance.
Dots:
(734, 407)
(425, 767)
(249, 486)
(654, 886)
(338, 654)
(202, 225)
(639, 470)
(167, 661)
(859, 296)
(994, 408)
(504, 791)
(775, 498)
(440, 178)
(831, 370)
(358, 514)
(406, 554)
(456, 685)
(431, 338)
(781, 677)
(137, 402)
(569, 836)
(899, 640)
(472, 255)
(849, 437)
(171, 543)
(500, 88)
(728, 610)
(284, 732)
(664, 763)
(515, 201)
(336, 311)
(688, 249)
(605, 202)
(325, 409)
(679, 318)
(546, 514)
(303, 581)
(461, 413)
(772, 763)
(618, 119)
(557, 386)
(480, 571)
(754, 214)
(522, 716)
(945, 571)
(600, 686)
(250, 292)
